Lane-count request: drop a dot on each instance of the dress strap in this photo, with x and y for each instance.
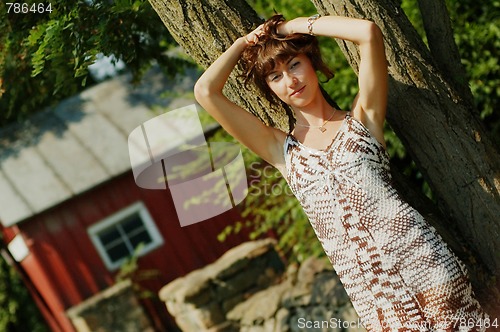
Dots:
(286, 144)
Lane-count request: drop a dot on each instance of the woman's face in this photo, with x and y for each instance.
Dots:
(294, 81)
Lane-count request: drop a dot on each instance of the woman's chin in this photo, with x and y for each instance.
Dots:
(298, 103)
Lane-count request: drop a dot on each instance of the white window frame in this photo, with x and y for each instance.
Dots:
(136, 208)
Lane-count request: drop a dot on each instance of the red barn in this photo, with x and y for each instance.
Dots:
(71, 211)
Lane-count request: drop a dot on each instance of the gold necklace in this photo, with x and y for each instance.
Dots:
(322, 127)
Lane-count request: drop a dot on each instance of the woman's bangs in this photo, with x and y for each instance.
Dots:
(275, 53)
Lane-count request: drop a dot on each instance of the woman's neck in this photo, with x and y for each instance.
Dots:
(315, 113)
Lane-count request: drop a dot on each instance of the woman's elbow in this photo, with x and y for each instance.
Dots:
(373, 33)
(201, 91)
(205, 89)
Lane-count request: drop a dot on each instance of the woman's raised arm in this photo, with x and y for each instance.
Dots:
(267, 142)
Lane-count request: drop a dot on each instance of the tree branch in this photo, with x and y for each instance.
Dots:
(442, 45)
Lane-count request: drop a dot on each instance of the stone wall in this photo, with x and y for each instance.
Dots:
(201, 300)
(248, 290)
(117, 308)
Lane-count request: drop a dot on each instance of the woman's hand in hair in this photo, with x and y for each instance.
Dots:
(253, 37)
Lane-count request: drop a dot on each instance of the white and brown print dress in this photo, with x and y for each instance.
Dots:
(397, 271)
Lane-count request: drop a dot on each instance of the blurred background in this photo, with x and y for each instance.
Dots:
(64, 63)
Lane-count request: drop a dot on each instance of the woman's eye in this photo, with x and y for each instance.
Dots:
(295, 64)
(275, 77)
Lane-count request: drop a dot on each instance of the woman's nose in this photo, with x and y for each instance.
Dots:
(291, 80)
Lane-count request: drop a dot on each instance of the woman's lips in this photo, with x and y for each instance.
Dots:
(297, 92)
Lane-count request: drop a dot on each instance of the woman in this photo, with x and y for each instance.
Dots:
(396, 269)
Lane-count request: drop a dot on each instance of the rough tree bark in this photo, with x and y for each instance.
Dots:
(444, 50)
(436, 123)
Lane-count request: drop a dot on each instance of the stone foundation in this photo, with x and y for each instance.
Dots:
(248, 290)
(114, 309)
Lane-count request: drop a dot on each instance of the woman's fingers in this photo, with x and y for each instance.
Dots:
(280, 28)
(253, 37)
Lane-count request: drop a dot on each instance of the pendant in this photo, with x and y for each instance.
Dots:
(322, 129)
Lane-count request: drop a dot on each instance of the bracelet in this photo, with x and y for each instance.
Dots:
(310, 22)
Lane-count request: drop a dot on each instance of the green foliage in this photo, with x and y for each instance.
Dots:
(45, 57)
(290, 9)
(18, 312)
(477, 33)
(130, 270)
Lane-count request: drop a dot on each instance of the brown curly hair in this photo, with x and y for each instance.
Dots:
(271, 49)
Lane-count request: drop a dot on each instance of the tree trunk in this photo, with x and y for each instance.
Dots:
(444, 50)
(439, 128)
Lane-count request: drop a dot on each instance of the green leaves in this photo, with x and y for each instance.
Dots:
(45, 58)
(18, 313)
(477, 33)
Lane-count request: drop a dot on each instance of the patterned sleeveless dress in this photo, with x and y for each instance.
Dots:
(397, 271)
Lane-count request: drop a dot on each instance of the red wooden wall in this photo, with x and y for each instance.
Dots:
(66, 269)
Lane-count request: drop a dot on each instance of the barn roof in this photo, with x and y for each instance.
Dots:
(82, 142)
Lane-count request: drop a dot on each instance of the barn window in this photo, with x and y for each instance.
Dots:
(122, 234)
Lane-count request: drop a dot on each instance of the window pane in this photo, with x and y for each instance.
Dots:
(132, 223)
(118, 252)
(114, 244)
(120, 234)
(140, 237)
(109, 235)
